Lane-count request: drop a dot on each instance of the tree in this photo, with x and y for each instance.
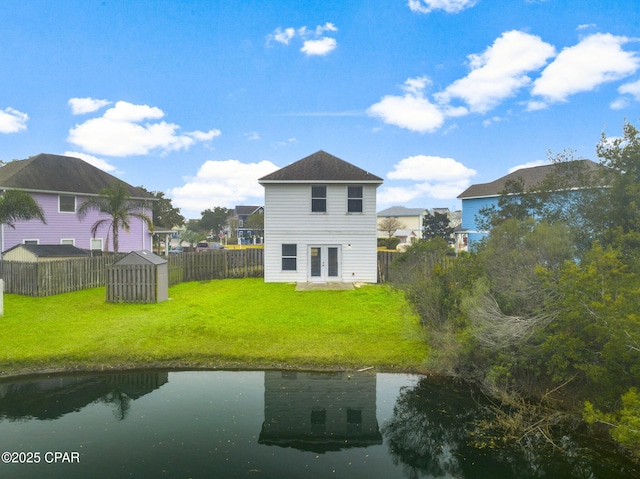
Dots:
(18, 205)
(165, 215)
(117, 205)
(436, 225)
(255, 222)
(390, 225)
(213, 221)
(620, 213)
(191, 237)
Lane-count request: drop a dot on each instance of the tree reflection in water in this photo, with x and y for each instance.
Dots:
(435, 432)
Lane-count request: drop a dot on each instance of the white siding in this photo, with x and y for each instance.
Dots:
(288, 220)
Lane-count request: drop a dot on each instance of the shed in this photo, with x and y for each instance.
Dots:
(139, 277)
(33, 253)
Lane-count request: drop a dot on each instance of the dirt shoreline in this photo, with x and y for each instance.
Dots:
(25, 371)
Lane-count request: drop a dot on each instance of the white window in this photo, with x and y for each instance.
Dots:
(31, 241)
(66, 204)
(96, 244)
(70, 241)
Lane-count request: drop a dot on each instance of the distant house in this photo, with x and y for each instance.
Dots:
(320, 222)
(244, 232)
(60, 184)
(485, 195)
(409, 219)
(35, 253)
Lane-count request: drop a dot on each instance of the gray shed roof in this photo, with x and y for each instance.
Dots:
(320, 167)
(531, 176)
(60, 174)
(401, 211)
(140, 257)
(51, 250)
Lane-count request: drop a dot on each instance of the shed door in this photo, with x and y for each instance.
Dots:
(324, 263)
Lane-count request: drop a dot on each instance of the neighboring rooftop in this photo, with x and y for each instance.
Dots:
(530, 176)
(51, 250)
(321, 166)
(61, 174)
(401, 211)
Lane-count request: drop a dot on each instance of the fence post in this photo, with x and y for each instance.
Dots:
(1, 297)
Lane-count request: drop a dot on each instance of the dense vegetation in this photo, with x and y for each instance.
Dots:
(544, 315)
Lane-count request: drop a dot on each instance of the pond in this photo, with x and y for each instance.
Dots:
(269, 424)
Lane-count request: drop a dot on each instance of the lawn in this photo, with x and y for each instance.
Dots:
(216, 324)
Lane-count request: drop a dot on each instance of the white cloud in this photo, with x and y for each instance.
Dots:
(632, 89)
(314, 42)
(80, 106)
(252, 136)
(499, 72)
(597, 59)
(221, 183)
(323, 46)
(120, 132)
(619, 104)
(430, 168)
(530, 164)
(282, 36)
(432, 177)
(412, 110)
(92, 160)
(449, 6)
(12, 121)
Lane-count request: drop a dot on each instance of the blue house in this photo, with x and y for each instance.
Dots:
(483, 195)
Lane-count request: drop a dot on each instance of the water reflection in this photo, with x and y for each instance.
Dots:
(54, 396)
(270, 424)
(319, 412)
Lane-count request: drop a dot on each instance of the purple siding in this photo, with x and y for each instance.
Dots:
(68, 226)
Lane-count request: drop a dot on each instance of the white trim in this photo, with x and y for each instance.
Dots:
(71, 241)
(30, 241)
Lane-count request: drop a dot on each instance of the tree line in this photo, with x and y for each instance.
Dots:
(543, 314)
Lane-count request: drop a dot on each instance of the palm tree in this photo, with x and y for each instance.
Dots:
(115, 203)
(18, 205)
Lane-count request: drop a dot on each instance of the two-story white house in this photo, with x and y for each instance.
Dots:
(320, 222)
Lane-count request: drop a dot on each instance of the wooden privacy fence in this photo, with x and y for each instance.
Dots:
(64, 276)
(46, 278)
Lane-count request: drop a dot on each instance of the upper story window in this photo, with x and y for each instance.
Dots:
(319, 199)
(354, 199)
(66, 204)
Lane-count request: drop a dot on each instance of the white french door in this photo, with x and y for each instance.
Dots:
(324, 263)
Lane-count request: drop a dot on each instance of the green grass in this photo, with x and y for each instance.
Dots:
(217, 324)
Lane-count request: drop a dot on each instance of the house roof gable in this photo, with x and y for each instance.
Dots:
(60, 174)
(321, 167)
(530, 176)
(246, 209)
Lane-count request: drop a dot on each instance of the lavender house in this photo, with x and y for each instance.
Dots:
(60, 184)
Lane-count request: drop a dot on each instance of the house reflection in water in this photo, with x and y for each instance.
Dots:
(319, 412)
(52, 397)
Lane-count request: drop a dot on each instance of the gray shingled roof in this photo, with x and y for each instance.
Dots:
(246, 209)
(320, 167)
(396, 211)
(51, 250)
(531, 176)
(60, 174)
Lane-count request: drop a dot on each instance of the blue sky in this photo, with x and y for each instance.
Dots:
(198, 99)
